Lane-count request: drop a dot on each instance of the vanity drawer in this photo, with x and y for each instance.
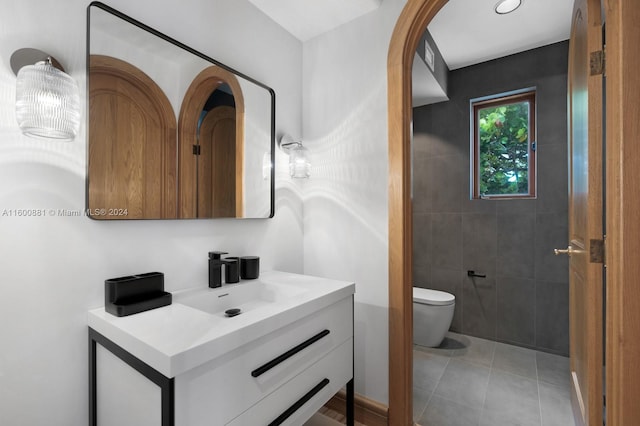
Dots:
(224, 387)
(298, 399)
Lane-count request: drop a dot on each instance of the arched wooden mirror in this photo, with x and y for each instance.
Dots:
(211, 151)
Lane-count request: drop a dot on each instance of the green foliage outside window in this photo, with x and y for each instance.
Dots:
(504, 149)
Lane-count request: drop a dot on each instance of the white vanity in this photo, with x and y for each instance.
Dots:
(188, 364)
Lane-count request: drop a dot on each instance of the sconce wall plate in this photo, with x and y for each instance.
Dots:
(29, 56)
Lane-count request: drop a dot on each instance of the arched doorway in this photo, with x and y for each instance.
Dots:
(623, 294)
(225, 185)
(411, 24)
(132, 143)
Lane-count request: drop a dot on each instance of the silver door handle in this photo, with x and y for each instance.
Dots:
(569, 250)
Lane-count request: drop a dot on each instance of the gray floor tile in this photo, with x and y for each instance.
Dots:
(443, 412)
(472, 349)
(553, 369)
(464, 382)
(515, 360)
(481, 382)
(555, 405)
(441, 350)
(427, 370)
(511, 399)
(508, 417)
(420, 400)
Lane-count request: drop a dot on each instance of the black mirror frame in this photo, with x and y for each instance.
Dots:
(183, 46)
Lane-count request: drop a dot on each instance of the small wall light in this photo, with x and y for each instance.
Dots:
(299, 166)
(266, 166)
(507, 6)
(47, 98)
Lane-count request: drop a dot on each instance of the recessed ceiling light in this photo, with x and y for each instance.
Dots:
(507, 6)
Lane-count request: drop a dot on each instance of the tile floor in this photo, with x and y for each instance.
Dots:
(476, 382)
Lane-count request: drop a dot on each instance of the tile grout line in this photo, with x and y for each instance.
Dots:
(434, 388)
(433, 392)
(419, 416)
(486, 391)
(538, 387)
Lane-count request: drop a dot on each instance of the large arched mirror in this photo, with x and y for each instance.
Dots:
(173, 133)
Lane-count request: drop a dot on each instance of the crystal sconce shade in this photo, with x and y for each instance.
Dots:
(299, 166)
(47, 99)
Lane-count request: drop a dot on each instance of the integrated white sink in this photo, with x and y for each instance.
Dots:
(246, 296)
(194, 328)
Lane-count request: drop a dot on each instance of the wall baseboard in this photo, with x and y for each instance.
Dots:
(367, 411)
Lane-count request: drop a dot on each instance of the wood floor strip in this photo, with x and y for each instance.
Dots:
(367, 411)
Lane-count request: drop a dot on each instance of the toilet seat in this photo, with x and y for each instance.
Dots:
(427, 296)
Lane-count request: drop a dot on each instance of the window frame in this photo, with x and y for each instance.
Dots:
(477, 104)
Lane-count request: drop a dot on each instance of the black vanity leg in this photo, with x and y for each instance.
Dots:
(167, 385)
(93, 418)
(350, 402)
(350, 385)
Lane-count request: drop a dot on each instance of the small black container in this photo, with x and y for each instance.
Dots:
(249, 267)
(231, 270)
(135, 293)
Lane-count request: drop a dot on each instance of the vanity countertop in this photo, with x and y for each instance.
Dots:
(176, 338)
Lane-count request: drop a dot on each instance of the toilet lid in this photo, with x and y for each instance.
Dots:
(427, 296)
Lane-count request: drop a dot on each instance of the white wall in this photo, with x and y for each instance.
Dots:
(52, 268)
(345, 201)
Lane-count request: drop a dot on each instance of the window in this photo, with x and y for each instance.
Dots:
(503, 146)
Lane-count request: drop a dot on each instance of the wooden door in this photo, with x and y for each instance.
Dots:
(132, 144)
(623, 205)
(585, 213)
(216, 170)
(195, 99)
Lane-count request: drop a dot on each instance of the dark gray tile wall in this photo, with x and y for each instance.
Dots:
(524, 299)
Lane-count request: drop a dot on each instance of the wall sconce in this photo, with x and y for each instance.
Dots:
(47, 98)
(266, 166)
(299, 166)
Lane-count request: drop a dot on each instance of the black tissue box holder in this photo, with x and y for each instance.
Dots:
(135, 293)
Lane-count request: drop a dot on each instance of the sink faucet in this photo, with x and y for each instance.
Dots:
(215, 268)
(232, 269)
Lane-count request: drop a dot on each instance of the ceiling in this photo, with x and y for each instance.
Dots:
(306, 19)
(468, 32)
(465, 31)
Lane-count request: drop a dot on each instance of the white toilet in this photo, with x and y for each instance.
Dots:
(432, 315)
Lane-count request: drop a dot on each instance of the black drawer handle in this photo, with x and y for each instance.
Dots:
(299, 403)
(291, 352)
